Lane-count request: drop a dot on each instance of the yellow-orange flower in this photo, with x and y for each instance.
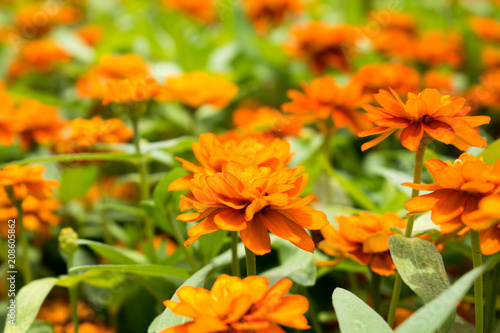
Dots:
(486, 27)
(253, 201)
(81, 134)
(239, 305)
(490, 56)
(198, 88)
(456, 194)
(487, 220)
(441, 116)
(35, 20)
(322, 45)
(440, 48)
(213, 152)
(487, 92)
(202, 11)
(27, 180)
(324, 99)
(401, 78)
(363, 238)
(266, 13)
(131, 90)
(439, 80)
(91, 34)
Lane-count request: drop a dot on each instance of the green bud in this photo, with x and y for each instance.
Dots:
(67, 241)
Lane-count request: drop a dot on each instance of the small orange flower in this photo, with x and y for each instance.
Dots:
(388, 19)
(239, 305)
(401, 78)
(439, 48)
(267, 121)
(324, 99)
(81, 134)
(202, 11)
(363, 238)
(213, 152)
(253, 201)
(440, 116)
(439, 80)
(36, 20)
(456, 195)
(487, 92)
(26, 181)
(91, 34)
(131, 90)
(490, 56)
(110, 187)
(486, 27)
(266, 13)
(198, 88)
(395, 43)
(487, 220)
(322, 45)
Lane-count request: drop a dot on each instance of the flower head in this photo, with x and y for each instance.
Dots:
(91, 34)
(131, 90)
(198, 88)
(363, 238)
(202, 11)
(27, 180)
(253, 201)
(401, 78)
(486, 27)
(265, 13)
(239, 305)
(440, 116)
(213, 152)
(457, 191)
(322, 45)
(394, 21)
(36, 20)
(486, 219)
(324, 99)
(439, 80)
(439, 48)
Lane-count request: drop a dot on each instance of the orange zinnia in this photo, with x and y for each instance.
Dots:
(91, 34)
(401, 78)
(35, 20)
(131, 90)
(322, 45)
(213, 152)
(487, 221)
(265, 13)
(439, 48)
(487, 92)
(239, 305)
(198, 88)
(252, 200)
(323, 99)
(363, 238)
(486, 27)
(439, 80)
(202, 11)
(456, 194)
(388, 19)
(81, 134)
(440, 116)
(490, 56)
(27, 180)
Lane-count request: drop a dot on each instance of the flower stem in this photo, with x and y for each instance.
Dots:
(179, 238)
(376, 280)
(144, 185)
(417, 179)
(235, 265)
(477, 260)
(73, 298)
(251, 262)
(491, 300)
(25, 262)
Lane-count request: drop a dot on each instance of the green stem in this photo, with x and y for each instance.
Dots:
(144, 185)
(179, 238)
(123, 157)
(491, 300)
(313, 313)
(235, 264)
(251, 262)
(376, 280)
(417, 179)
(25, 262)
(73, 298)
(477, 260)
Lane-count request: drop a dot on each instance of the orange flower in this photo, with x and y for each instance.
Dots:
(487, 93)
(267, 121)
(27, 180)
(456, 194)
(388, 19)
(202, 11)
(490, 56)
(91, 34)
(111, 68)
(439, 80)
(395, 43)
(81, 134)
(265, 13)
(486, 27)
(36, 20)
(440, 116)
(439, 48)
(252, 200)
(323, 99)
(401, 78)
(363, 238)
(131, 90)
(239, 305)
(487, 220)
(198, 88)
(213, 152)
(322, 45)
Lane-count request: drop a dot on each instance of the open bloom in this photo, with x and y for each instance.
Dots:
(363, 238)
(213, 152)
(439, 48)
(239, 305)
(487, 220)
(456, 194)
(322, 45)
(35, 20)
(198, 88)
(324, 99)
(401, 78)
(131, 90)
(265, 13)
(441, 116)
(81, 134)
(202, 11)
(91, 34)
(486, 27)
(252, 200)
(27, 180)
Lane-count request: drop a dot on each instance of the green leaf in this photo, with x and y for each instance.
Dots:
(115, 255)
(141, 270)
(210, 245)
(354, 315)
(99, 279)
(421, 267)
(491, 153)
(28, 303)
(161, 195)
(75, 182)
(76, 157)
(433, 315)
(169, 319)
